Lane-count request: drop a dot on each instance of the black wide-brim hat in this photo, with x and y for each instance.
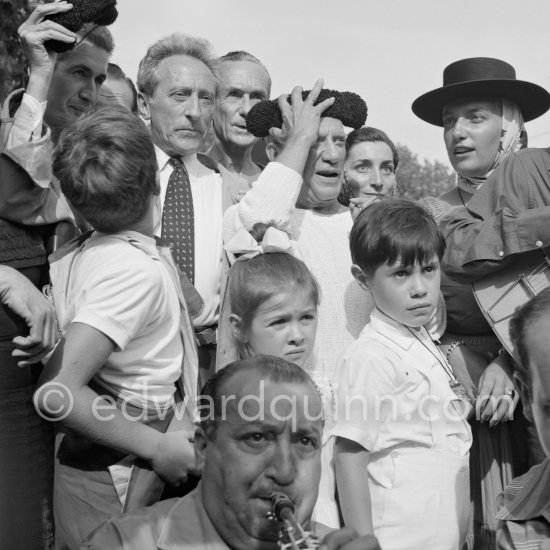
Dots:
(482, 77)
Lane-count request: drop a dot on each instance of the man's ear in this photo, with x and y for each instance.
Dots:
(524, 394)
(236, 324)
(271, 151)
(143, 106)
(200, 443)
(360, 276)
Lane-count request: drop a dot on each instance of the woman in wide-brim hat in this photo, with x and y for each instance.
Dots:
(480, 87)
(481, 108)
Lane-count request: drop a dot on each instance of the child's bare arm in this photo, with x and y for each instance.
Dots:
(63, 395)
(350, 461)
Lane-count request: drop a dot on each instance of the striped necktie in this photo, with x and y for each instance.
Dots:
(178, 220)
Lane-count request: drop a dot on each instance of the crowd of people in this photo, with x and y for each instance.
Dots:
(223, 329)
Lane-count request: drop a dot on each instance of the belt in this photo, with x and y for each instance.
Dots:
(207, 336)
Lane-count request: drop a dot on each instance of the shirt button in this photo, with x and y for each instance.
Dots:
(539, 243)
(501, 253)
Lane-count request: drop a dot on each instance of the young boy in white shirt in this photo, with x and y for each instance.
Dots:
(402, 439)
(111, 381)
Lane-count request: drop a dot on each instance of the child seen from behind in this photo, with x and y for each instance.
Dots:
(125, 330)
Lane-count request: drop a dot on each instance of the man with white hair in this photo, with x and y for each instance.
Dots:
(243, 81)
(177, 94)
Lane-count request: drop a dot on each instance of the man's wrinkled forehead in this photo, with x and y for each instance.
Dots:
(331, 126)
(246, 70)
(183, 69)
(248, 397)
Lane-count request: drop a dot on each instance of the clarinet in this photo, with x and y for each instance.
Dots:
(292, 535)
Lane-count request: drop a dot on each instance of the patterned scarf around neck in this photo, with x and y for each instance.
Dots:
(512, 140)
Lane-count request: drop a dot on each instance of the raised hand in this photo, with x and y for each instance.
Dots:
(301, 118)
(34, 32)
(300, 130)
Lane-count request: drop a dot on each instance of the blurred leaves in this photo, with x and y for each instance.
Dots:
(12, 58)
(416, 180)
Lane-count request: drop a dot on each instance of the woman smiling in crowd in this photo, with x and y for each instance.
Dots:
(370, 167)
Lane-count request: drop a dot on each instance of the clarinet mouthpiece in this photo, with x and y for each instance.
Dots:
(279, 503)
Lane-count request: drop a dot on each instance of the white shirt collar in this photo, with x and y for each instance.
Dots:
(190, 161)
(394, 330)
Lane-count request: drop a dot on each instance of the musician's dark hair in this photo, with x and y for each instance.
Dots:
(212, 401)
(391, 230)
(521, 325)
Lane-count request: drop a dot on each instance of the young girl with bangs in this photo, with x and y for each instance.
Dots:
(273, 297)
(273, 300)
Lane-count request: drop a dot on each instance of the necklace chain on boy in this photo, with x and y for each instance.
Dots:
(456, 385)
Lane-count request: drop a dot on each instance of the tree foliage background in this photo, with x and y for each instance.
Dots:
(12, 58)
(416, 180)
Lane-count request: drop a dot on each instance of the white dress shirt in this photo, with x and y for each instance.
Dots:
(206, 188)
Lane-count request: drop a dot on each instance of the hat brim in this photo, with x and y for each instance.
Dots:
(533, 100)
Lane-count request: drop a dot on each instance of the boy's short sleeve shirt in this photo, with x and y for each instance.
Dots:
(392, 392)
(118, 285)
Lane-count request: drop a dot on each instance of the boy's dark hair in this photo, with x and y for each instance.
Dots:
(106, 165)
(520, 324)
(391, 230)
(211, 400)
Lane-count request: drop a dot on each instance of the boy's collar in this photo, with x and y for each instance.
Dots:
(390, 328)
